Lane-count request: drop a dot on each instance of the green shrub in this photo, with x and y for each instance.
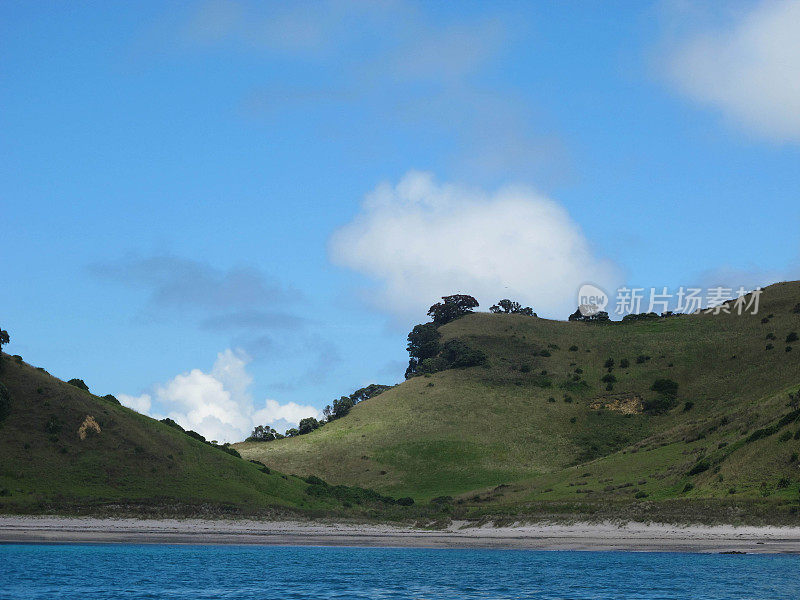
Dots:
(406, 501)
(111, 398)
(773, 429)
(227, 448)
(17, 358)
(261, 466)
(792, 337)
(666, 387)
(307, 425)
(79, 383)
(609, 364)
(699, 467)
(768, 347)
(195, 435)
(785, 436)
(609, 378)
(688, 487)
(624, 363)
(346, 494)
(642, 358)
(688, 405)
(660, 405)
(573, 348)
(459, 355)
(173, 424)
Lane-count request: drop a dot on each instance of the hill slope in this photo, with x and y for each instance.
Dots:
(538, 415)
(133, 463)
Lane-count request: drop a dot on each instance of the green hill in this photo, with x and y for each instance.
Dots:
(68, 451)
(535, 429)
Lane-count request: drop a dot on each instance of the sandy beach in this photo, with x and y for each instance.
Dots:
(580, 536)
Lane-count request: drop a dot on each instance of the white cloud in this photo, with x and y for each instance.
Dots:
(217, 404)
(140, 404)
(283, 416)
(422, 240)
(748, 70)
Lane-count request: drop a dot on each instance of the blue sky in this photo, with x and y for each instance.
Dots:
(232, 213)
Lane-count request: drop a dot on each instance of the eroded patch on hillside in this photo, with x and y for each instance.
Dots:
(88, 427)
(627, 404)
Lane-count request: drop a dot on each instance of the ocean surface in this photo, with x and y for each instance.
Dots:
(93, 572)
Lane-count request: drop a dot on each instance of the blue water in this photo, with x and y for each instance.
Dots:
(197, 572)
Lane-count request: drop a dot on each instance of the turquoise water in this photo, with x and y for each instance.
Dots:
(93, 572)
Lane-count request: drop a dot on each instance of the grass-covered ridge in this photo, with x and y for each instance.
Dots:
(66, 450)
(572, 412)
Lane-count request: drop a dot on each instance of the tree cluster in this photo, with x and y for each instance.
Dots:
(451, 308)
(428, 355)
(507, 306)
(264, 433)
(423, 345)
(336, 410)
(598, 317)
(667, 396)
(342, 406)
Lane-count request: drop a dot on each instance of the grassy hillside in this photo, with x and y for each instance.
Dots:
(132, 464)
(538, 421)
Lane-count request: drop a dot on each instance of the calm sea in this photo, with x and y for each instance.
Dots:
(197, 572)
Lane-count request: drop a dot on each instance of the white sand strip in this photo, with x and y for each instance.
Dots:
(580, 536)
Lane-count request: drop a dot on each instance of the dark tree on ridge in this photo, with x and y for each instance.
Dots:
(423, 342)
(451, 308)
(510, 307)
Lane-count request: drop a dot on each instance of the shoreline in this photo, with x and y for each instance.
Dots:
(631, 537)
